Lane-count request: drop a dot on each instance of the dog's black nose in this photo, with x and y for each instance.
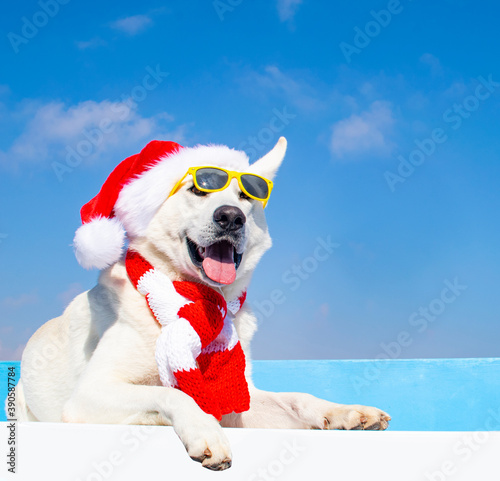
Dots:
(229, 218)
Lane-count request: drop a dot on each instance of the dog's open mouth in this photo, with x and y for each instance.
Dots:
(218, 261)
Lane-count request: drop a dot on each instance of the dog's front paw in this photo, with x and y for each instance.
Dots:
(204, 441)
(355, 416)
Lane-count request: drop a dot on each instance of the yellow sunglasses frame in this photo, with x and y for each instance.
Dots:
(231, 174)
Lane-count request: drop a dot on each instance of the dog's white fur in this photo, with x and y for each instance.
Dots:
(96, 363)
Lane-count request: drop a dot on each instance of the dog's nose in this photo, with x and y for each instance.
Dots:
(229, 218)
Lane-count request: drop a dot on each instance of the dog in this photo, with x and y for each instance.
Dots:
(96, 362)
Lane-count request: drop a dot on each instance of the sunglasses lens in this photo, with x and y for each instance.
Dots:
(211, 179)
(255, 186)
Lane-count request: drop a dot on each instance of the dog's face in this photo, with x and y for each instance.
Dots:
(217, 238)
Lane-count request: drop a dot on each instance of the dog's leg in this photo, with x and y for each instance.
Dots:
(120, 384)
(304, 411)
(116, 402)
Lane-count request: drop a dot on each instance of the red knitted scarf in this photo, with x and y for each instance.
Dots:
(198, 350)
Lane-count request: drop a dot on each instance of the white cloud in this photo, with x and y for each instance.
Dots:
(70, 293)
(366, 133)
(324, 310)
(10, 353)
(456, 90)
(287, 9)
(132, 25)
(53, 130)
(92, 43)
(295, 91)
(433, 63)
(20, 301)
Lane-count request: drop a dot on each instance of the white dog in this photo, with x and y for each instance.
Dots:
(96, 363)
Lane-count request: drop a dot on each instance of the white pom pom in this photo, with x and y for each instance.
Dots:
(99, 243)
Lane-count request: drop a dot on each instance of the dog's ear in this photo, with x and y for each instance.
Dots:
(268, 165)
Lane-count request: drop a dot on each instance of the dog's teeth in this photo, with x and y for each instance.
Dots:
(201, 251)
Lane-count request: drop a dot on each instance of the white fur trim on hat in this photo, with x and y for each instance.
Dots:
(140, 199)
(99, 243)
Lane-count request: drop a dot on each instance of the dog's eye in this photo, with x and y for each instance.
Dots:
(244, 196)
(197, 192)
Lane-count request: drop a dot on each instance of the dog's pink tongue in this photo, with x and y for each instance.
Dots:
(219, 263)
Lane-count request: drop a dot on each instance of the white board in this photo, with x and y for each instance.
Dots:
(85, 452)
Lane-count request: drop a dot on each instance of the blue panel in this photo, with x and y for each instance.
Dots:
(4, 375)
(419, 394)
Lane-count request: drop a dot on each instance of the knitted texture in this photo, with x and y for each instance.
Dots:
(198, 350)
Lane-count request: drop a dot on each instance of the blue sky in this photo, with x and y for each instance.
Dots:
(391, 113)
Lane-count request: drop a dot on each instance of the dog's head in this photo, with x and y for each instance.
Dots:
(218, 237)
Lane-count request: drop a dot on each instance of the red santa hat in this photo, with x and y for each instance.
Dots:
(133, 193)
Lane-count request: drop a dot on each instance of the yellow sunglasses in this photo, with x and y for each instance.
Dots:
(215, 179)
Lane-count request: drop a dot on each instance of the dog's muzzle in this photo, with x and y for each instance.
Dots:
(220, 259)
